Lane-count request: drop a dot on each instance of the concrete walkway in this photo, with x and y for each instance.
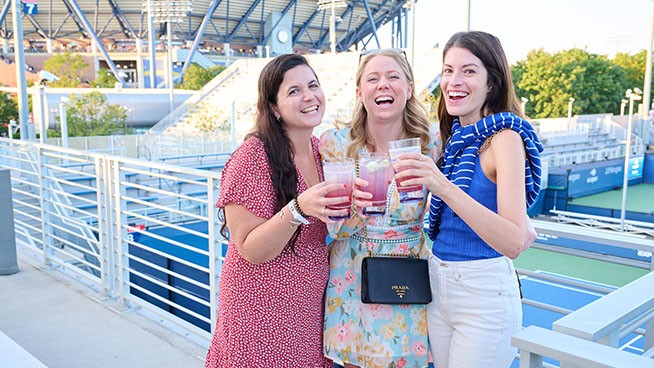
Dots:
(59, 321)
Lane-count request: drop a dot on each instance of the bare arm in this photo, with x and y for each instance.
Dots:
(506, 231)
(259, 240)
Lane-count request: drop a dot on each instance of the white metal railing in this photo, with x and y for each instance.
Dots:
(88, 214)
(149, 141)
(120, 201)
(603, 222)
(575, 141)
(614, 316)
(536, 343)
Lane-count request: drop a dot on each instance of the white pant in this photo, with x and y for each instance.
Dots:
(475, 309)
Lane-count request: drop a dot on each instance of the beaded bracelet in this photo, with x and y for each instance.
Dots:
(297, 207)
(292, 206)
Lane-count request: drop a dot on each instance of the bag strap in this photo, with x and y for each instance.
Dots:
(365, 228)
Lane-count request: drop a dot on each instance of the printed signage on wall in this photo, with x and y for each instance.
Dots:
(601, 177)
(635, 167)
(30, 7)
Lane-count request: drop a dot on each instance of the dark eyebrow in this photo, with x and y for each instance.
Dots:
(465, 65)
(291, 87)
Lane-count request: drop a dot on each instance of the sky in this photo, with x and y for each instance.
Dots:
(599, 26)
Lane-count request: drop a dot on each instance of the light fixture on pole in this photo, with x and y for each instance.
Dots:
(332, 4)
(169, 12)
(570, 102)
(623, 104)
(523, 104)
(634, 95)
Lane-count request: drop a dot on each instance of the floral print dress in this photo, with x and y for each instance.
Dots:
(373, 335)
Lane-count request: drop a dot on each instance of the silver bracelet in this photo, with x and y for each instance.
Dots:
(296, 214)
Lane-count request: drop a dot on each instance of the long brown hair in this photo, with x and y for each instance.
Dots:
(279, 149)
(502, 96)
(415, 122)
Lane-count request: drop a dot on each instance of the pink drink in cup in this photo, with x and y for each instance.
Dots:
(340, 171)
(375, 168)
(408, 193)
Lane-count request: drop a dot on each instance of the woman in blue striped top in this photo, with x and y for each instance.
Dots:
(489, 175)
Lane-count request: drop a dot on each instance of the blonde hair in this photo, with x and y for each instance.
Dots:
(415, 120)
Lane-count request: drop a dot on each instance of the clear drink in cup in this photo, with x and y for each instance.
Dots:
(340, 171)
(408, 193)
(375, 168)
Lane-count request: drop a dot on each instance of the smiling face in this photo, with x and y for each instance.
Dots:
(464, 85)
(300, 100)
(383, 89)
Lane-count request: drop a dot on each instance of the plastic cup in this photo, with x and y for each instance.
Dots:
(408, 193)
(340, 171)
(375, 168)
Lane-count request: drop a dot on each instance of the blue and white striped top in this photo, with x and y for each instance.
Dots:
(463, 147)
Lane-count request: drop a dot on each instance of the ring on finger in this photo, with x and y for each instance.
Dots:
(322, 212)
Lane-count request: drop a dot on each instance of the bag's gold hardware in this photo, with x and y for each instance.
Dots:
(400, 290)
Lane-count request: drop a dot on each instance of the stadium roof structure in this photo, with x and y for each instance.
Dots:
(236, 22)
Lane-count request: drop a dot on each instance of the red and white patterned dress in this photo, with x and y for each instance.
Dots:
(270, 314)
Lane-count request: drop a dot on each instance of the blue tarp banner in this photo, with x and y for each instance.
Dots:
(602, 176)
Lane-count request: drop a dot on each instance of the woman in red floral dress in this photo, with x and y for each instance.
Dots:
(273, 280)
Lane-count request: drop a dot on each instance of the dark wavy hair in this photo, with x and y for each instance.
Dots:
(278, 147)
(502, 96)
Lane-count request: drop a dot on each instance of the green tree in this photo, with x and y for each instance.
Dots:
(634, 68)
(8, 111)
(105, 79)
(195, 77)
(549, 80)
(68, 67)
(89, 114)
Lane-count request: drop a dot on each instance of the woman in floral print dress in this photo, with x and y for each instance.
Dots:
(374, 335)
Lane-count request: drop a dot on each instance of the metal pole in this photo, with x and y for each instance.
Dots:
(12, 124)
(43, 138)
(198, 35)
(21, 81)
(98, 43)
(153, 54)
(648, 83)
(412, 40)
(171, 84)
(8, 258)
(625, 179)
(332, 29)
(64, 124)
(468, 15)
(572, 99)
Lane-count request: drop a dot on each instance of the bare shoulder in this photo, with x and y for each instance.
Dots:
(507, 136)
(507, 140)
